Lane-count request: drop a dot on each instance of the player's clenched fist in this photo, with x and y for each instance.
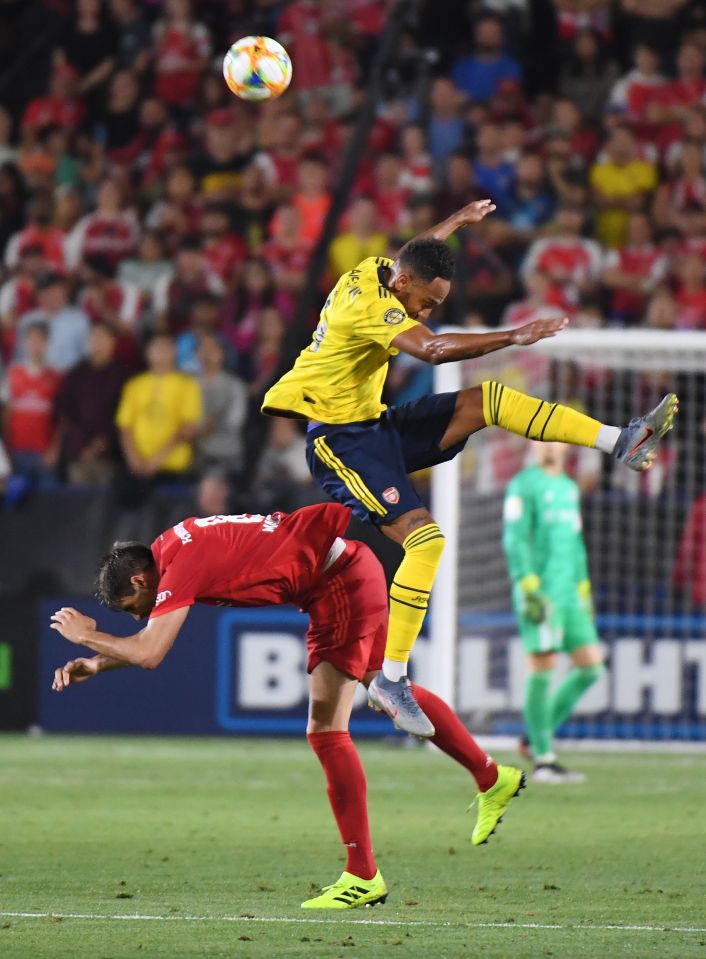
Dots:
(75, 671)
(71, 624)
(538, 330)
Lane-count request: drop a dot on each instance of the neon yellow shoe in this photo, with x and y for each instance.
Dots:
(493, 803)
(350, 892)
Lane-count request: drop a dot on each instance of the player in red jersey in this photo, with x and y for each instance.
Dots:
(300, 558)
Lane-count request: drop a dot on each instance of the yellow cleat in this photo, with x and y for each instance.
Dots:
(350, 892)
(493, 803)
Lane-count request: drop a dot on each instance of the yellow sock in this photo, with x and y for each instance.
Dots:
(409, 593)
(536, 419)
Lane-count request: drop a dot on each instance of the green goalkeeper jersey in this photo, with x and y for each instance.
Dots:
(542, 532)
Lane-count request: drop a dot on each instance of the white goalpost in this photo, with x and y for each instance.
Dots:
(642, 532)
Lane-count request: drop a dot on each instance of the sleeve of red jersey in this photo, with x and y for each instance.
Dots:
(177, 588)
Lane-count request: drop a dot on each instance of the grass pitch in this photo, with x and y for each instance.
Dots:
(117, 848)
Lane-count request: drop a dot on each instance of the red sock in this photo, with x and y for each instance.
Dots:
(347, 793)
(453, 738)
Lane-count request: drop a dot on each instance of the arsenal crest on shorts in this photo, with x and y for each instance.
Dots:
(391, 495)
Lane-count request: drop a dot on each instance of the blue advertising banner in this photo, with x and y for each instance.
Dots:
(243, 671)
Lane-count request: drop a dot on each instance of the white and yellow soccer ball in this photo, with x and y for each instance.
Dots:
(257, 68)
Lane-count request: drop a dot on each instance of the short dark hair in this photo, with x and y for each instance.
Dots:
(427, 258)
(117, 567)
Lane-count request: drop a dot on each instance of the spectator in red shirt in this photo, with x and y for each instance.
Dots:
(676, 97)
(634, 92)
(174, 296)
(181, 51)
(28, 395)
(281, 158)
(301, 30)
(572, 262)
(86, 406)
(684, 192)
(109, 230)
(286, 255)
(691, 294)
(60, 107)
(416, 175)
(224, 250)
(389, 194)
(114, 303)
(543, 301)
(633, 272)
(38, 233)
(18, 295)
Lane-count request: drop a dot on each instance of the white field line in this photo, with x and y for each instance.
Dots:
(137, 917)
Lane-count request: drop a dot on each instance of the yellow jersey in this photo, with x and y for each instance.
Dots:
(153, 408)
(339, 377)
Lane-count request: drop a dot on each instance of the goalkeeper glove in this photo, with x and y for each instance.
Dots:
(585, 595)
(533, 605)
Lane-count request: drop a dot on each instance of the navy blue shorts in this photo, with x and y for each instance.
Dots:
(365, 465)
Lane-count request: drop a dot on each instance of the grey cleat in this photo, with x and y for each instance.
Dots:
(397, 701)
(637, 443)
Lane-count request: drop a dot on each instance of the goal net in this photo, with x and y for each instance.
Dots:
(645, 535)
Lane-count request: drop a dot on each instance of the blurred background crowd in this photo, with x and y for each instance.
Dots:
(155, 232)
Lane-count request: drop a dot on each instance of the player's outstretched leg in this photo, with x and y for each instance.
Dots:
(390, 691)
(497, 785)
(493, 404)
(331, 698)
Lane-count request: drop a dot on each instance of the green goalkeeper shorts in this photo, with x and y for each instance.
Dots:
(567, 627)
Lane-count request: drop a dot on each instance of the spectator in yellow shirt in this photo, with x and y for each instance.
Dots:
(159, 414)
(361, 240)
(621, 183)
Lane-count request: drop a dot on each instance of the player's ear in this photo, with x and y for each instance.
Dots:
(139, 581)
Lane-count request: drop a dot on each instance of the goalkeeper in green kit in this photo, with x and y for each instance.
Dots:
(546, 555)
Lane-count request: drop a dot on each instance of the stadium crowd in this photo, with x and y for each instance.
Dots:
(155, 232)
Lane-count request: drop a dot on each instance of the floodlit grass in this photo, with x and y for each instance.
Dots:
(197, 830)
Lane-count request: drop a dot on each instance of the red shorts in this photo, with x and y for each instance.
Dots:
(348, 614)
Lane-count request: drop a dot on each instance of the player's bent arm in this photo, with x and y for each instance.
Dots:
(435, 348)
(146, 649)
(473, 213)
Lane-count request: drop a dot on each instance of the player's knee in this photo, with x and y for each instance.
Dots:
(425, 544)
(591, 674)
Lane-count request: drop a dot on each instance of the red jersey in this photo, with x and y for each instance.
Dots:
(246, 560)
(43, 112)
(30, 400)
(114, 236)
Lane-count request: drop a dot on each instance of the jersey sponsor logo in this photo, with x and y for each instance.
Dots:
(391, 494)
(394, 316)
(183, 533)
(161, 597)
(353, 291)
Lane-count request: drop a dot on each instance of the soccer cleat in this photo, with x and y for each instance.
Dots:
(637, 443)
(397, 701)
(350, 892)
(555, 774)
(494, 801)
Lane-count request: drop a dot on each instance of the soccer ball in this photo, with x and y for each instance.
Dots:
(257, 68)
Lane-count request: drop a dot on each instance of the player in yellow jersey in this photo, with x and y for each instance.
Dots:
(361, 452)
